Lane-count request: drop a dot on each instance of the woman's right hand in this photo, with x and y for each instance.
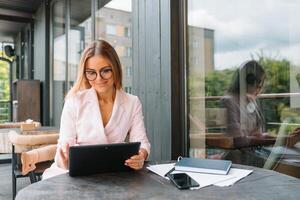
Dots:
(64, 157)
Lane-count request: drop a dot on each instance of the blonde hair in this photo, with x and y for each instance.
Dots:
(97, 48)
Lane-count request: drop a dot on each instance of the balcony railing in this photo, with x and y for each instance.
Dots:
(276, 108)
(260, 96)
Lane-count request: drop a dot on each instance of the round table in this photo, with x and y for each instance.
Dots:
(261, 184)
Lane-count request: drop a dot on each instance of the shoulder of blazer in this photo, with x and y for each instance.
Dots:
(126, 98)
(86, 95)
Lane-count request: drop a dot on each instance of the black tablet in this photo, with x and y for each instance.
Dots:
(92, 159)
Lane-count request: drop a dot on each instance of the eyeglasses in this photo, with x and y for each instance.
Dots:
(105, 73)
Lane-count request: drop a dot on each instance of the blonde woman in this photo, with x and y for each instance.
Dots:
(98, 111)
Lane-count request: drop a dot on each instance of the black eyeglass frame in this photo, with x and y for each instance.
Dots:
(100, 72)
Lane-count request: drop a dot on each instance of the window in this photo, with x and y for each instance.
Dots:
(128, 51)
(65, 59)
(128, 71)
(128, 89)
(246, 65)
(111, 29)
(127, 32)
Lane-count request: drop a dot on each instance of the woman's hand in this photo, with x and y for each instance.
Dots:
(64, 157)
(136, 162)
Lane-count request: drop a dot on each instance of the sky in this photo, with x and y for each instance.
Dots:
(242, 28)
(120, 5)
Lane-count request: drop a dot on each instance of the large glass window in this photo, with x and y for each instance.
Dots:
(244, 80)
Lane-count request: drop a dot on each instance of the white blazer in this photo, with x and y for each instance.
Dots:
(81, 123)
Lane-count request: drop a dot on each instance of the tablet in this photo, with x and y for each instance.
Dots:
(93, 159)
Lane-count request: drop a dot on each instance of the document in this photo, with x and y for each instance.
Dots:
(238, 174)
(161, 169)
(204, 179)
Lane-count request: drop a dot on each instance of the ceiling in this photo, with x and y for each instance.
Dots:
(9, 29)
(29, 6)
(14, 15)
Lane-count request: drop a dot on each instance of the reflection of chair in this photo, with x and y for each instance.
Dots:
(31, 155)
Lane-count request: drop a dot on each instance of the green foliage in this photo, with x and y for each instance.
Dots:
(4, 90)
(278, 75)
(217, 82)
(4, 81)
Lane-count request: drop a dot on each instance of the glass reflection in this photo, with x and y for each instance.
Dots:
(218, 42)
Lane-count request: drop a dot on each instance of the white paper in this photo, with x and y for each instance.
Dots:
(204, 179)
(161, 169)
(238, 174)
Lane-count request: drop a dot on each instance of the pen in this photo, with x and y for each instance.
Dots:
(173, 168)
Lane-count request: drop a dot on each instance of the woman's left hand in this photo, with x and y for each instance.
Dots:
(136, 162)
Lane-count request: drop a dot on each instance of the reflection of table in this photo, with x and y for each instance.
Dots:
(261, 184)
(245, 150)
(281, 159)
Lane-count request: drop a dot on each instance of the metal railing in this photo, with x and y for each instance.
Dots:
(260, 96)
(273, 118)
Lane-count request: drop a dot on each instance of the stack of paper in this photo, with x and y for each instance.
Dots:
(203, 179)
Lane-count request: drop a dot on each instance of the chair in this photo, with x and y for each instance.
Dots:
(31, 155)
(5, 146)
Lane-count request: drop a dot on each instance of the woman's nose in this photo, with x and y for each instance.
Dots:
(99, 76)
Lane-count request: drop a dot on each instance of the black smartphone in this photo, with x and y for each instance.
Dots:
(182, 181)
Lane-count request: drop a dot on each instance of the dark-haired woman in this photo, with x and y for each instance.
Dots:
(244, 116)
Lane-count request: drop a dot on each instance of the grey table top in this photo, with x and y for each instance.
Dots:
(261, 184)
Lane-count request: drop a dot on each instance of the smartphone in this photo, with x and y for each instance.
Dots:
(182, 181)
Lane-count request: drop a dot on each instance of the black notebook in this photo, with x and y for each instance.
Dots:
(203, 165)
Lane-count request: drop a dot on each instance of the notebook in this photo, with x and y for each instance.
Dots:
(92, 159)
(203, 165)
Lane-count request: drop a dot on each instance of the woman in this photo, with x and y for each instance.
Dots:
(98, 111)
(244, 116)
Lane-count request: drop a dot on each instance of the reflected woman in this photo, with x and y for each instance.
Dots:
(98, 111)
(244, 116)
